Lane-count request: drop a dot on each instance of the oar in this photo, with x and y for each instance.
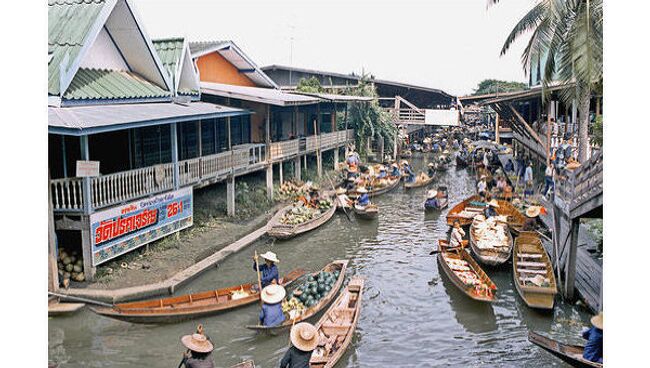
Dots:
(259, 278)
(79, 299)
(337, 198)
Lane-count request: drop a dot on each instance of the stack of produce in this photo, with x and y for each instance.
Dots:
(293, 307)
(70, 266)
(463, 271)
(315, 288)
(298, 215)
(491, 233)
(292, 190)
(324, 204)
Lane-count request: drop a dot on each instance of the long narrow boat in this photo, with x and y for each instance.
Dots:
(279, 230)
(466, 274)
(369, 212)
(336, 327)
(420, 183)
(516, 219)
(392, 184)
(189, 306)
(465, 211)
(338, 265)
(571, 354)
(493, 256)
(532, 271)
(443, 200)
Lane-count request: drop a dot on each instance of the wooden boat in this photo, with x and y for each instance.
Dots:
(189, 306)
(490, 257)
(465, 211)
(449, 261)
(529, 259)
(369, 212)
(419, 183)
(278, 230)
(338, 265)
(336, 327)
(392, 184)
(57, 308)
(516, 219)
(443, 200)
(571, 354)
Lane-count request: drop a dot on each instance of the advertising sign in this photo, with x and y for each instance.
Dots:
(121, 229)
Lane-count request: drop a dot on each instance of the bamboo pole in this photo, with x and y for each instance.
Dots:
(259, 278)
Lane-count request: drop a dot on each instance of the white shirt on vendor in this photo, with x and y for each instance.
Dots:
(481, 186)
(456, 238)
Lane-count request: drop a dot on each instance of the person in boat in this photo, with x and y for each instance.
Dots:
(436, 147)
(594, 347)
(314, 196)
(432, 199)
(457, 233)
(199, 351)
(431, 171)
(395, 173)
(501, 184)
(490, 209)
(271, 313)
(342, 198)
(349, 183)
(407, 170)
(352, 159)
(304, 340)
(268, 271)
(363, 199)
(382, 173)
(531, 218)
(481, 186)
(455, 145)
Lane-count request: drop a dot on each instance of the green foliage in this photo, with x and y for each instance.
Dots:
(487, 86)
(368, 119)
(311, 85)
(597, 134)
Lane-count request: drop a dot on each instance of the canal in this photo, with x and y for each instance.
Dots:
(412, 316)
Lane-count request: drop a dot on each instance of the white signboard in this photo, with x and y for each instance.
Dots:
(86, 169)
(441, 117)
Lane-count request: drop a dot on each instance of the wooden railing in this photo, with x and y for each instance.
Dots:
(66, 194)
(406, 115)
(107, 190)
(581, 185)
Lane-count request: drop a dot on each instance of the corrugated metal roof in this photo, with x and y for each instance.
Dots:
(68, 23)
(81, 120)
(95, 84)
(264, 95)
(169, 50)
(199, 47)
(333, 97)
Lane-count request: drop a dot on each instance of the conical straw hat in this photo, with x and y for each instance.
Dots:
(197, 342)
(304, 336)
(270, 256)
(597, 320)
(273, 294)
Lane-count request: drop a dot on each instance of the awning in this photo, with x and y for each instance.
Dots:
(264, 95)
(525, 94)
(83, 120)
(333, 97)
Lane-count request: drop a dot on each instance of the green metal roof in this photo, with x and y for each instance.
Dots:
(69, 22)
(96, 84)
(169, 51)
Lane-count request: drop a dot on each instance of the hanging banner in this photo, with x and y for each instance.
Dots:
(442, 117)
(121, 229)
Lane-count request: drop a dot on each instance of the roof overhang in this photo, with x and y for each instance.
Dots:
(333, 97)
(255, 94)
(525, 94)
(85, 120)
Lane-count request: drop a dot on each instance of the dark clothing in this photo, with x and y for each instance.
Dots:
(510, 167)
(431, 172)
(396, 172)
(431, 202)
(268, 274)
(199, 361)
(295, 358)
(271, 314)
(530, 224)
(490, 212)
(594, 347)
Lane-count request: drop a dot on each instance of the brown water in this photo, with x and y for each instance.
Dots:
(412, 316)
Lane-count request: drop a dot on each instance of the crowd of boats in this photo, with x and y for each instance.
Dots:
(499, 232)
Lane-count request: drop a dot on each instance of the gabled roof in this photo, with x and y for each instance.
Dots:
(73, 30)
(256, 94)
(96, 84)
(175, 55)
(231, 52)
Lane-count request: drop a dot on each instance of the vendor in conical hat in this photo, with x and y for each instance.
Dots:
(395, 170)
(363, 199)
(382, 172)
(531, 218)
(342, 198)
(593, 350)
(490, 209)
(271, 314)
(268, 271)
(304, 340)
(432, 200)
(431, 169)
(199, 349)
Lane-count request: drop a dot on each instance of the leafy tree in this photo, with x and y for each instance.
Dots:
(311, 85)
(567, 35)
(597, 133)
(487, 86)
(368, 118)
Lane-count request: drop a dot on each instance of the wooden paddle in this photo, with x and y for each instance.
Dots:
(82, 300)
(336, 197)
(259, 278)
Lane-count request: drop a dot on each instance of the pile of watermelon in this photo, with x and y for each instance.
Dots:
(315, 288)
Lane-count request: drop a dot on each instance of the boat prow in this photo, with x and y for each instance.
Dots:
(571, 354)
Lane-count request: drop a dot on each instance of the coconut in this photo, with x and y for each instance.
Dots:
(73, 258)
(77, 268)
(67, 260)
(69, 267)
(62, 255)
(79, 262)
(79, 277)
(66, 275)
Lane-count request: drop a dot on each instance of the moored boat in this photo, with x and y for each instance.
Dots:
(465, 211)
(420, 181)
(375, 191)
(571, 354)
(533, 272)
(490, 240)
(369, 212)
(339, 266)
(336, 327)
(442, 200)
(189, 306)
(465, 273)
(516, 219)
(279, 230)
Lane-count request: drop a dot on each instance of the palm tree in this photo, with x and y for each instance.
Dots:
(568, 36)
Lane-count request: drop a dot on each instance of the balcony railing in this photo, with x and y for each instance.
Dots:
(125, 186)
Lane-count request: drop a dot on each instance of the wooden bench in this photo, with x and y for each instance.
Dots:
(532, 264)
(525, 270)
